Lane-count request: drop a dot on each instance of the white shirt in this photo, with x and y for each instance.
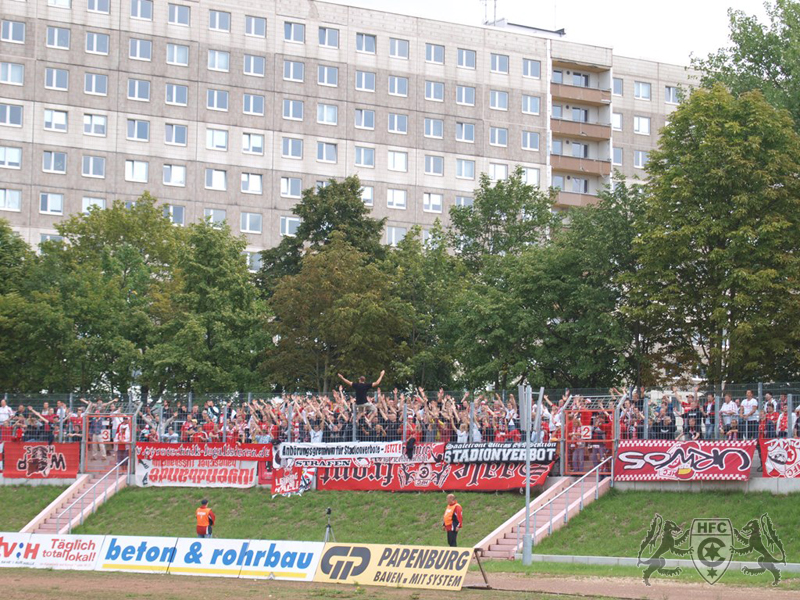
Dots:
(728, 410)
(461, 437)
(6, 412)
(316, 437)
(747, 406)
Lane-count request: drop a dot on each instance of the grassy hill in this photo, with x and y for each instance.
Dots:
(367, 517)
(20, 503)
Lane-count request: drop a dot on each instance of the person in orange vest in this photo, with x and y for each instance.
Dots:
(453, 520)
(205, 519)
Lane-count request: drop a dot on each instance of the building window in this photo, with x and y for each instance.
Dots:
(365, 81)
(641, 90)
(641, 125)
(395, 235)
(498, 171)
(640, 158)
(580, 185)
(616, 121)
(215, 216)
(365, 119)
(251, 222)
(175, 175)
(328, 75)
(138, 130)
(60, 3)
(139, 90)
(397, 161)
(10, 115)
(54, 162)
(289, 226)
(365, 43)
(58, 37)
(398, 48)
(434, 165)
(465, 132)
(326, 152)
(217, 139)
(291, 147)
(95, 84)
(531, 68)
(465, 169)
(672, 95)
(499, 63)
(293, 70)
(434, 91)
(177, 94)
(140, 49)
(531, 104)
(97, 43)
(142, 9)
(434, 128)
(398, 123)
(580, 150)
(498, 136)
(99, 6)
(291, 187)
(55, 120)
(179, 14)
(294, 32)
(254, 65)
(176, 135)
(398, 86)
(56, 79)
(367, 195)
(255, 26)
(464, 201)
(51, 204)
(292, 110)
(498, 100)
(432, 202)
(530, 140)
(217, 100)
(328, 37)
(88, 204)
(465, 95)
(253, 143)
(327, 114)
(10, 199)
(137, 171)
(175, 214)
(434, 53)
(617, 86)
(253, 104)
(617, 156)
(531, 176)
(12, 31)
(580, 80)
(10, 158)
(219, 21)
(467, 59)
(396, 199)
(365, 157)
(216, 179)
(252, 183)
(580, 115)
(219, 60)
(178, 54)
(95, 125)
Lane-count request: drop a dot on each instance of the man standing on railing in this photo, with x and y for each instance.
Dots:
(361, 387)
(453, 520)
(205, 519)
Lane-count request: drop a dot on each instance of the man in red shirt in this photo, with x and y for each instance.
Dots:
(205, 519)
(453, 520)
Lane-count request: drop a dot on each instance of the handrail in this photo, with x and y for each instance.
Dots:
(595, 470)
(113, 469)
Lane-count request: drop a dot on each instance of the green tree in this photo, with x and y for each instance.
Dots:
(720, 239)
(338, 314)
(761, 57)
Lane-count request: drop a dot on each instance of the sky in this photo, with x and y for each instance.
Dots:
(662, 30)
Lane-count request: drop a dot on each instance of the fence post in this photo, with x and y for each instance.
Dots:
(70, 403)
(717, 416)
(760, 397)
(225, 423)
(646, 411)
(189, 408)
(564, 444)
(789, 413)
(290, 429)
(405, 422)
(471, 420)
(354, 418)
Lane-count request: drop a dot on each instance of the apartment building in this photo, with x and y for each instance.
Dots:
(226, 109)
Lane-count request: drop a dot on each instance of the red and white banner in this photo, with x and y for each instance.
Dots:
(72, 552)
(668, 460)
(418, 477)
(338, 454)
(41, 461)
(781, 457)
(292, 481)
(212, 451)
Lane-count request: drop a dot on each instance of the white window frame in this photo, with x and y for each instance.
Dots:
(290, 112)
(396, 82)
(361, 117)
(365, 157)
(96, 37)
(9, 30)
(10, 199)
(396, 47)
(216, 179)
(176, 88)
(142, 10)
(174, 175)
(394, 157)
(89, 202)
(398, 123)
(497, 61)
(368, 195)
(99, 6)
(462, 91)
(251, 102)
(176, 50)
(640, 159)
(498, 136)
(328, 76)
(494, 167)
(396, 199)
(641, 125)
(528, 99)
(289, 70)
(96, 166)
(53, 154)
(614, 81)
(217, 96)
(287, 187)
(137, 171)
(638, 90)
(56, 118)
(10, 157)
(294, 32)
(363, 78)
(94, 121)
(255, 26)
(177, 16)
(465, 168)
(135, 47)
(395, 235)
(324, 149)
(530, 136)
(323, 36)
(494, 97)
(432, 161)
(465, 132)
(213, 216)
(257, 66)
(431, 88)
(94, 78)
(217, 21)
(247, 143)
(291, 143)
(7, 114)
(327, 114)
(217, 139)
(672, 94)
(362, 44)
(176, 214)
(464, 56)
(52, 41)
(144, 84)
(45, 203)
(432, 52)
(430, 128)
(289, 226)
(51, 73)
(174, 127)
(616, 121)
(135, 123)
(527, 63)
(614, 152)
(253, 183)
(219, 60)
(432, 202)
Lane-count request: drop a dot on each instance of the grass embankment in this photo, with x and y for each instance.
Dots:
(366, 517)
(20, 503)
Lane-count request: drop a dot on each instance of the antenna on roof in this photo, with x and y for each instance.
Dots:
(486, 11)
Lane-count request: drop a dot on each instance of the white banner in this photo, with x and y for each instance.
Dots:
(341, 454)
(196, 473)
(17, 551)
(72, 552)
(254, 559)
(136, 554)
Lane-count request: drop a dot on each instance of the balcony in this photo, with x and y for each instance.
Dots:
(576, 93)
(573, 199)
(576, 129)
(586, 166)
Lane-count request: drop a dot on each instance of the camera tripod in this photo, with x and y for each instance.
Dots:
(329, 536)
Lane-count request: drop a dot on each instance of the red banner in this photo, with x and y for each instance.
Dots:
(418, 477)
(669, 460)
(781, 457)
(210, 451)
(41, 461)
(292, 481)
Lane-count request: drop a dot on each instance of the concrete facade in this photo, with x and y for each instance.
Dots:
(377, 90)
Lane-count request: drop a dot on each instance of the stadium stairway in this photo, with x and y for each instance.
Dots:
(84, 497)
(505, 542)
